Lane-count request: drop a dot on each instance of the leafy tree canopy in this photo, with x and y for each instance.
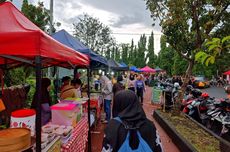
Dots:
(93, 33)
(187, 24)
(39, 15)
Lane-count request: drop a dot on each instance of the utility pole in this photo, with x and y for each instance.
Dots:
(49, 73)
(51, 16)
(50, 32)
(55, 69)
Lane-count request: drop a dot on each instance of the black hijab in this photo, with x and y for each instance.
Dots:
(128, 108)
(130, 111)
(45, 97)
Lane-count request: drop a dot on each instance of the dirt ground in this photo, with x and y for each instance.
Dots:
(168, 145)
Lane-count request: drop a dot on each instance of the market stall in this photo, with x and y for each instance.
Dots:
(134, 69)
(124, 66)
(65, 38)
(113, 65)
(147, 69)
(96, 62)
(23, 43)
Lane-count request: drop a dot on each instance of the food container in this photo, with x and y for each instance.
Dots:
(43, 145)
(15, 139)
(44, 137)
(23, 118)
(48, 128)
(65, 114)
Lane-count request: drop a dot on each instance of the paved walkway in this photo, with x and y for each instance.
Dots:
(168, 145)
(97, 135)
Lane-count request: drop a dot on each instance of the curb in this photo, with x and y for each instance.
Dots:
(182, 144)
(224, 144)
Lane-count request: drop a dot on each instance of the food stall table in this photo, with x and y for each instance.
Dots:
(78, 139)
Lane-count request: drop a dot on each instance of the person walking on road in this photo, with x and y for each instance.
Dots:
(107, 95)
(116, 88)
(133, 123)
(131, 83)
(140, 88)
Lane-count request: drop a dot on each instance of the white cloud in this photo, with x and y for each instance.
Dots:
(122, 16)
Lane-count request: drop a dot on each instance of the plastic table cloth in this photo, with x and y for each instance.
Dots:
(79, 137)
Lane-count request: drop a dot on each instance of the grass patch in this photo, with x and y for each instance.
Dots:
(201, 140)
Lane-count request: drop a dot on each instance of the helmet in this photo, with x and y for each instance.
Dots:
(189, 87)
(204, 95)
(176, 85)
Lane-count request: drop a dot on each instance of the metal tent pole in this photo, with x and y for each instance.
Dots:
(38, 103)
(88, 92)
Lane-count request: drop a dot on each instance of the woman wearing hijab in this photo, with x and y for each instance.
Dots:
(45, 100)
(140, 88)
(132, 115)
(116, 88)
(107, 95)
(131, 84)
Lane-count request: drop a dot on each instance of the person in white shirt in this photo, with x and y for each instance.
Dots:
(107, 93)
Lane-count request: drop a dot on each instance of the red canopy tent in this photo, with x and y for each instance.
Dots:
(227, 72)
(22, 42)
(147, 69)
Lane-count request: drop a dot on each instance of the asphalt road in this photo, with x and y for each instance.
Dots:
(216, 92)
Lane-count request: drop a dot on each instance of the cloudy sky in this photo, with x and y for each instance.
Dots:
(126, 18)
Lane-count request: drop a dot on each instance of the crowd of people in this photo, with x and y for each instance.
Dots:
(122, 101)
(122, 105)
(128, 129)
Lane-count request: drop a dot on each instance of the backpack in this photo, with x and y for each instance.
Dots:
(125, 147)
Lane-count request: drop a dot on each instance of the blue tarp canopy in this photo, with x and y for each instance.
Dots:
(112, 64)
(124, 66)
(135, 69)
(64, 37)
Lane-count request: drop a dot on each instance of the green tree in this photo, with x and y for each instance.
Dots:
(165, 57)
(216, 52)
(214, 48)
(131, 53)
(151, 55)
(39, 15)
(135, 56)
(140, 58)
(108, 53)
(207, 71)
(93, 33)
(113, 53)
(179, 65)
(117, 54)
(125, 52)
(188, 23)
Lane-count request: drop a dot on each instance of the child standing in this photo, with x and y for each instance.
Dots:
(140, 88)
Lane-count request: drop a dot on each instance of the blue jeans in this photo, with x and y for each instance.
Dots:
(107, 109)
